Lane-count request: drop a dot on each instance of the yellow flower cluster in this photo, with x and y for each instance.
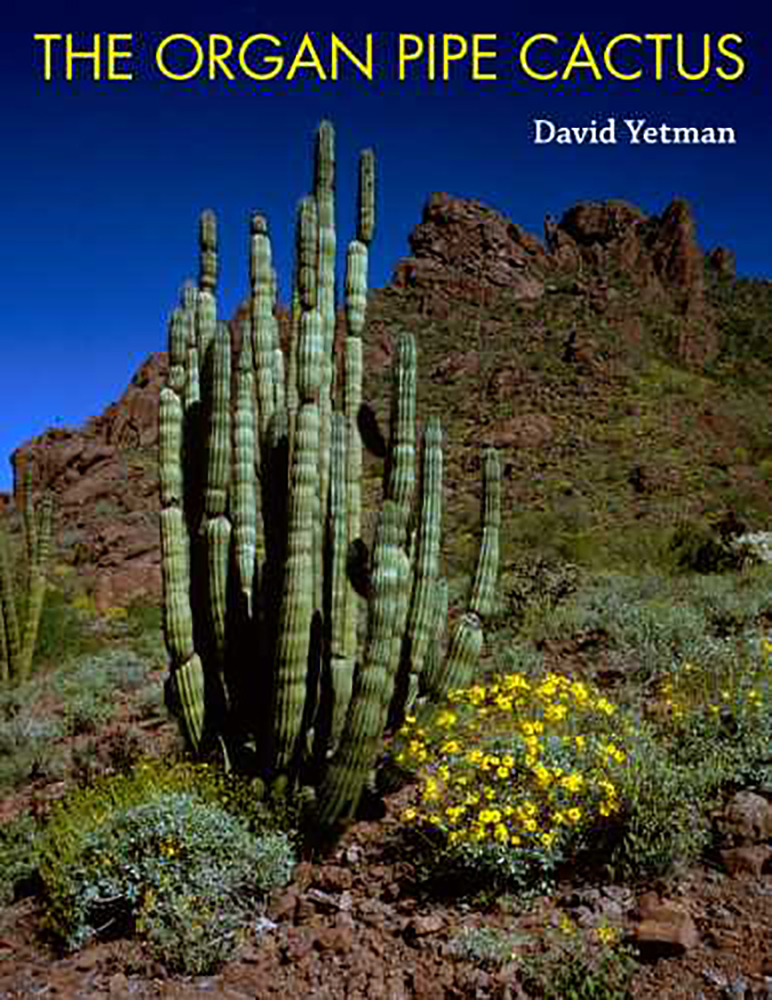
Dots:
(691, 690)
(520, 763)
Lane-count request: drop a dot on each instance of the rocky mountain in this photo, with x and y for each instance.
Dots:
(542, 347)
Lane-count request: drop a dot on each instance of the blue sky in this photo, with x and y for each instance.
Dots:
(104, 181)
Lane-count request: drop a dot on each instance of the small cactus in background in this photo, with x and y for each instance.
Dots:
(21, 607)
(261, 487)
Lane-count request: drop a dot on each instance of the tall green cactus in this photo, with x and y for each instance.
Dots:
(261, 489)
(21, 607)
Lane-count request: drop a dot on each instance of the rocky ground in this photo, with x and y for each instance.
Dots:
(359, 923)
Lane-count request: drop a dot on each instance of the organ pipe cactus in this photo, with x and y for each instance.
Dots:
(21, 607)
(261, 488)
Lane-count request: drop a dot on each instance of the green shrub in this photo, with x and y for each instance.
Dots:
(719, 718)
(579, 966)
(18, 856)
(696, 546)
(182, 873)
(662, 824)
(486, 946)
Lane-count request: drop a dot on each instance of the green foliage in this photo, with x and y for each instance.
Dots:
(696, 547)
(27, 740)
(18, 856)
(490, 947)
(180, 872)
(719, 719)
(63, 635)
(87, 689)
(579, 966)
(662, 824)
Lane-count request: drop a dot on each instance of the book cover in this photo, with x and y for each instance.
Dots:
(557, 237)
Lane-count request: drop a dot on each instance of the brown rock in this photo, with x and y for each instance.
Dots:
(467, 250)
(750, 859)
(747, 819)
(665, 928)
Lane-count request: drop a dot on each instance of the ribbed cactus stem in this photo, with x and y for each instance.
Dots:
(218, 444)
(245, 520)
(463, 656)
(401, 469)
(421, 619)
(484, 586)
(263, 322)
(206, 323)
(175, 564)
(189, 688)
(356, 288)
(178, 349)
(9, 620)
(207, 275)
(296, 609)
(307, 252)
(37, 587)
(345, 778)
(366, 197)
(217, 532)
(170, 436)
(324, 193)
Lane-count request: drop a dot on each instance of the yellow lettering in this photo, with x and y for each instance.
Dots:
(524, 51)
(218, 61)
(47, 41)
(365, 68)
(680, 61)
(725, 51)
(607, 57)
(306, 57)
(478, 54)
(276, 61)
(114, 54)
(582, 49)
(454, 48)
(658, 59)
(187, 74)
(407, 55)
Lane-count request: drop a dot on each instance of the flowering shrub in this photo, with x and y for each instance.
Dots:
(526, 767)
(719, 718)
(144, 854)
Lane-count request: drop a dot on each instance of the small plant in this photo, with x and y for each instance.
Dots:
(18, 856)
(578, 965)
(487, 946)
(141, 855)
(514, 775)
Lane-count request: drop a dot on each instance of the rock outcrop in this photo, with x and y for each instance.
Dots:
(104, 479)
(463, 250)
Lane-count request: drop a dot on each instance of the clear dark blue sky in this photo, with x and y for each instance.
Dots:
(103, 182)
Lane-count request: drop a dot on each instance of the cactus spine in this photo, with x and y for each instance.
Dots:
(262, 638)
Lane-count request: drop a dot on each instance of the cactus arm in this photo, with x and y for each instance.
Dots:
(263, 322)
(296, 609)
(345, 777)
(37, 587)
(9, 621)
(366, 197)
(484, 585)
(421, 619)
(401, 475)
(244, 480)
